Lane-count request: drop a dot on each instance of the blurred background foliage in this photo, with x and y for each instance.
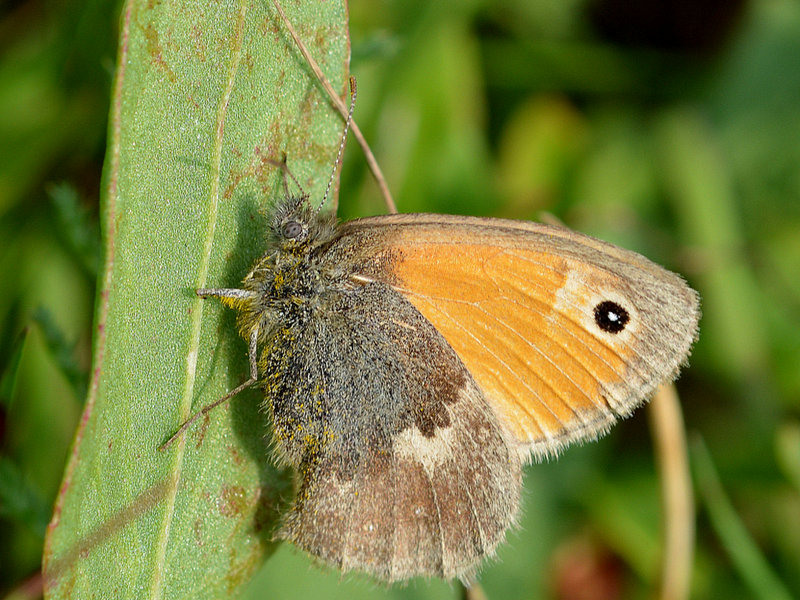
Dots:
(667, 126)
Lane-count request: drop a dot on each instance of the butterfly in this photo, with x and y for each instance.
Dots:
(413, 363)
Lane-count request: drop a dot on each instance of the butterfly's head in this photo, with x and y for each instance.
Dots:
(296, 225)
(292, 221)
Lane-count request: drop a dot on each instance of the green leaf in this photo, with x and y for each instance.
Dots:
(206, 95)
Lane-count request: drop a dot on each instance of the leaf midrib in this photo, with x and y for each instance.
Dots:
(197, 309)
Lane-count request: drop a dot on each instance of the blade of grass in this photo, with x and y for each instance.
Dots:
(207, 96)
(676, 493)
(747, 558)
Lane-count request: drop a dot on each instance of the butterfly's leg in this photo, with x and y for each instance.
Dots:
(253, 358)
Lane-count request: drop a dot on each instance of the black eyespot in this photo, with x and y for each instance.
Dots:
(292, 230)
(610, 316)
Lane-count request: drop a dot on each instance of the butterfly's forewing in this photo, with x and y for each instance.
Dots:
(563, 333)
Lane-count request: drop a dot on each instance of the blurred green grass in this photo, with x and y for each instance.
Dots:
(686, 150)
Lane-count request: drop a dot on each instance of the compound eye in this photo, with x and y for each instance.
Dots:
(292, 230)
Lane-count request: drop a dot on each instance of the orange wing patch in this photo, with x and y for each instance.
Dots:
(531, 311)
(528, 350)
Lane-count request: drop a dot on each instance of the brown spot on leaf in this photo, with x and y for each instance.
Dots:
(156, 51)
(232, 501)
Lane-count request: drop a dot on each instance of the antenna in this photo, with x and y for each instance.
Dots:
(340, 107)
(281, 164)
(353, 94)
